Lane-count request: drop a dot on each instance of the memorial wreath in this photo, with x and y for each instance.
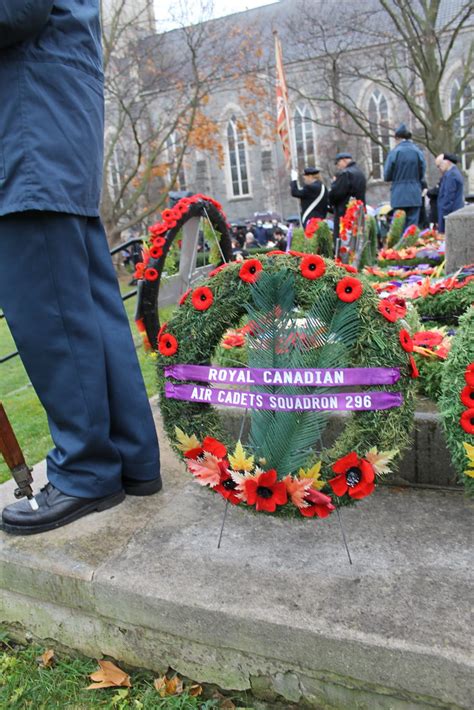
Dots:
(320, 340)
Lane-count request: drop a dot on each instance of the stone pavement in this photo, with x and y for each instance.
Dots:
(277, 608)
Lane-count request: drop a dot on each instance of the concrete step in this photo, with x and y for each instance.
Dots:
(276, 609)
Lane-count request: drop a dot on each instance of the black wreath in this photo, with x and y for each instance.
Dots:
(147, 297)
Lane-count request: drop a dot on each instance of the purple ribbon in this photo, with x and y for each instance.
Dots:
(337, 377)
(338, 402)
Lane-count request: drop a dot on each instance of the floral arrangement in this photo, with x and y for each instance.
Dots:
(348, 222)
(396, 227)
(457, 400)
(318, 238)
(162, 238)
(279, 470)
(431, 348)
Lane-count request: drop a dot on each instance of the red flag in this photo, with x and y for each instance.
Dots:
(283, 114)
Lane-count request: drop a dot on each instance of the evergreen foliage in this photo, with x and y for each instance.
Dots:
(396, 228)
(453, 382)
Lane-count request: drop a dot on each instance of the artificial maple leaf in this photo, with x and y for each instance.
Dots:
(46, 660)
(380, 459)
(313, 473)
(239, 461)
(470, 456)
(109, 676)
(168, 686)
(206, 470)
(186, 443)
(195, 690)
(297, 489)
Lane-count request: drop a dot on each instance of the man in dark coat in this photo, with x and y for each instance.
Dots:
(349, 182)
(405, 169)
(313, 195)
(58, 288)
(451, 188)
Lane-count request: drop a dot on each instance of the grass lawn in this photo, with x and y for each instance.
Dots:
(24, 683)
(23, 408)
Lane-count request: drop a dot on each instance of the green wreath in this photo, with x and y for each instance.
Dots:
(345, 326)
(457, 401)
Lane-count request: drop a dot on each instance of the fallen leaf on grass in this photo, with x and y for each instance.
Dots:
(166, 686)
(195, 690)
(46, 660)
(109, 676)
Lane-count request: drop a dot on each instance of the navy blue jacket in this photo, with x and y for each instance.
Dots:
(405, 169)
(308, 194)
(450, 195)
(51, 112)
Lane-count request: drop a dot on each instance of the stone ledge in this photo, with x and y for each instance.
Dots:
(145, 583)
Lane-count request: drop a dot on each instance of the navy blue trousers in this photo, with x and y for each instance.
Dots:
(61, 299)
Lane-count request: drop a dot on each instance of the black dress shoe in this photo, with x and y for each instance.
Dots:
(132, 487)
(54, 510)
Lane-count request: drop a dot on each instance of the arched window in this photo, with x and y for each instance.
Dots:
(237, 158)
(304, 137)
(378, 123)
(463, 105)
(174, 153)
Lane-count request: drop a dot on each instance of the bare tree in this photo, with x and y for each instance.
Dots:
(405, 47)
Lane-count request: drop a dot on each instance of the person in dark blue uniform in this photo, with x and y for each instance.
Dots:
(451, 188)
(405, 169)
(313, 195)
(349, 182)
(58, 288)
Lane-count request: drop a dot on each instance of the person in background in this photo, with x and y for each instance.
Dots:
(432, 195)
(451, 188)
(349, 182)
(260, 233)
(405, 169)
(58, 287)
(313, 195)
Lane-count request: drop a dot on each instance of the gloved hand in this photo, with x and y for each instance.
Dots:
(294, 175)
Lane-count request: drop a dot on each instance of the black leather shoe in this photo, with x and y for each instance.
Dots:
(54, 510)
(132, 487)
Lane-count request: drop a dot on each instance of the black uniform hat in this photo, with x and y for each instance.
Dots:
(311, 171)
(451, 157)
(402, 131)
(341, 156)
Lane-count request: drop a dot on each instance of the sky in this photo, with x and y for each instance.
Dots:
(168, 12)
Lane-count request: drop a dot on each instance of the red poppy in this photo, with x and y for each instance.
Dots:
(312, 266)
(250, 271)
(356, 477)
(233, 340)
(349, 289)
(169, 215)
(217, 270)
(469, 374)
(467, 396)
(158, 228)
(405, 341)
(139, 270)
(202, 298)
(399, 304)
(158, 242)
(156, 252)
(413, 368)
(387, 309)
(167, 345)
(343, 250)
(184, 296)
(161, 330)
(467, 420)
(140, 325)
(276, 252)
(151, 274)
(427, 339)
(320, 504)
(298, 254)
(265, 491)
(227, 486)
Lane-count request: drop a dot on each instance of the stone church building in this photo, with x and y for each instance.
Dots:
(325, 55)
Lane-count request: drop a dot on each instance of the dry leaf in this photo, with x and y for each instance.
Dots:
(380, 459)
(239, 461)
(46, 660)
(166, 686)
(195, 690)
(109, 676)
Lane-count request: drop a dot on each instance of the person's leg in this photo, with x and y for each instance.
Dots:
(132, 428)
(412, 216)
(46, 297)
